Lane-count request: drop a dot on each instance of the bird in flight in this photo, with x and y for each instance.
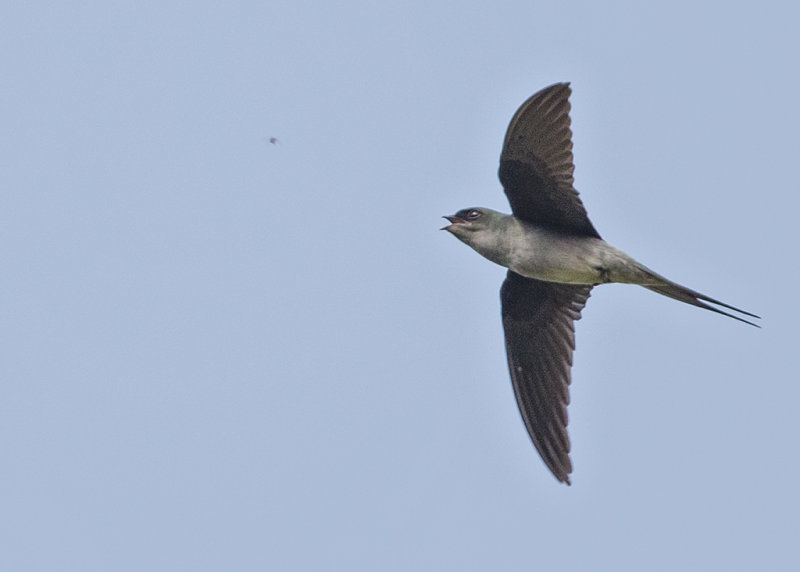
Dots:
(554, 256)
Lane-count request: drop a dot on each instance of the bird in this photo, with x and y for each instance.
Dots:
(554, 256)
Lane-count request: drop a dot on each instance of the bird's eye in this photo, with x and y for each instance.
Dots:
(474, 214)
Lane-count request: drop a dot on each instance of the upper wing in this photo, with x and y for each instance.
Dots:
(536, 164)
(538, 322)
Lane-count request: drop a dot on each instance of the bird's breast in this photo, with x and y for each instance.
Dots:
(555, 257)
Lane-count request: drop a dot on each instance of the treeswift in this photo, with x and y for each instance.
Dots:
(554, 258)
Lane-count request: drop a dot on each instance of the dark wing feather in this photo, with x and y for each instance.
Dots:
(538, 322)
(536, 167)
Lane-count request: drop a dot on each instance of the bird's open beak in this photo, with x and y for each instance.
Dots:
(454, 220)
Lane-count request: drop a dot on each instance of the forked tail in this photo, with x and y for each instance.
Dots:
(684, 294)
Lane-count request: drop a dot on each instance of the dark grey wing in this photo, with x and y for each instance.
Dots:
(538, 322)
(536, 164)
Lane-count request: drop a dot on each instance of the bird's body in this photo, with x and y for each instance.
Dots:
(554, 257)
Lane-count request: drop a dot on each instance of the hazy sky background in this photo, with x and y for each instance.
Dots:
(219, 353)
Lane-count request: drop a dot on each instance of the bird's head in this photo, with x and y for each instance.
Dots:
(469, 225)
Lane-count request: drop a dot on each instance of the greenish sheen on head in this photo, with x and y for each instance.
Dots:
(485, 231)
(466, 223)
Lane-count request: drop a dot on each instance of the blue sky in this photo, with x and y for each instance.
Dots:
(224, 354)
